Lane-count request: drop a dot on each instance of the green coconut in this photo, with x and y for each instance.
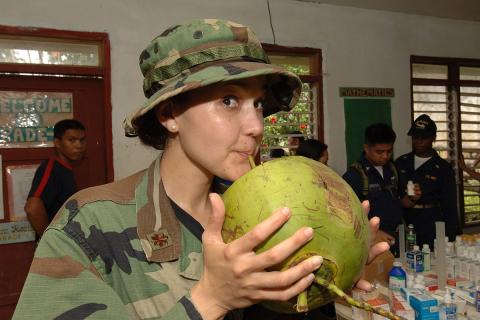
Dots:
(317, 197)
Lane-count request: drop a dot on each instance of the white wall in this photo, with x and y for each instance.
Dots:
(360, 48)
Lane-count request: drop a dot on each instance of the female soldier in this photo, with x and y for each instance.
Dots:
(150, 245)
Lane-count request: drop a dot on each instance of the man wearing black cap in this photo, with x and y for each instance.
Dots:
(435, 176)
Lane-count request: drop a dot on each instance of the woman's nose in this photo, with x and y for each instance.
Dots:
(253, 122)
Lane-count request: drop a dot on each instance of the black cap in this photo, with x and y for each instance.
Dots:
(423, 127)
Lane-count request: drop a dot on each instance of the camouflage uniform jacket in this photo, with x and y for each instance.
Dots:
(102, 259)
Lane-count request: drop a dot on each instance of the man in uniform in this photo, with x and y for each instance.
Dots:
(423, 166)
(294, 139)
(54, 182)
(374, 178)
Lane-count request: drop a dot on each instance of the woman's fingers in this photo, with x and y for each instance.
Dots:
(215, 222)
(249, 241)
(285, 294)
(282, 279)
(366, 206)
(364, 285)
(283, 250)
(374, 224)
(376, 250)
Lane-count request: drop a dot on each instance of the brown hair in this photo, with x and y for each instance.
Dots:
(150, 131)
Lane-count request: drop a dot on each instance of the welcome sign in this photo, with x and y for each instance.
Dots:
(27, 118)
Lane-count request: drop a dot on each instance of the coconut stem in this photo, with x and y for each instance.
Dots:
(302, 302)
(252, 162)
(359, 304)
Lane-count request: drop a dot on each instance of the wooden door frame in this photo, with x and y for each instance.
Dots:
(104, 70)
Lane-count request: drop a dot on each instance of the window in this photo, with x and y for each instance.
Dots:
(448, 90)
(49, 51)
(306, 119)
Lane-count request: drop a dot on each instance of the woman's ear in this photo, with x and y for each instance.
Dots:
(166, 118)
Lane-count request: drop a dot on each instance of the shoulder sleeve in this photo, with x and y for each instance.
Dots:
(69, 287)
(353, 178)
(64, 283)
(40, 186)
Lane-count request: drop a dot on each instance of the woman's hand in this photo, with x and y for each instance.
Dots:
(375, 249)
(234, 276)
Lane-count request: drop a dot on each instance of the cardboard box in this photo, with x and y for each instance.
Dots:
(378, 269)
(402, 308)
(375, 298)
(425, 306)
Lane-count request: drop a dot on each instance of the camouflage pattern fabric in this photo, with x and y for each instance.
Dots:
(91, 264)
(207, 51)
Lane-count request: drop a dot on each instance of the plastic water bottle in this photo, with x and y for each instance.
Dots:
(410, 188)
(415, 259)
(426, 257)
(411, 237)
(448, 310)
(397, 277)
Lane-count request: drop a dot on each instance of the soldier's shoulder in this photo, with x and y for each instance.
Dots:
(120, 192)
(402, 158)
(442, 164)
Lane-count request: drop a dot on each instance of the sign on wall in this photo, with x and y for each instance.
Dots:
(14, 232)
(362, 92)
(19, 181)
(27, 118)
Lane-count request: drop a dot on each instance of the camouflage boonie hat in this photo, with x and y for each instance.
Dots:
(204, 52)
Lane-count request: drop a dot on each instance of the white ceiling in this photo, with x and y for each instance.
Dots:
(453, 9)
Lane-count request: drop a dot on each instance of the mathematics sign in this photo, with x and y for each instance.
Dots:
(367, 92)
(27, 118)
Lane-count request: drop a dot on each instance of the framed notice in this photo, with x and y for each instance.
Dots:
(19, 181)
(17, 231)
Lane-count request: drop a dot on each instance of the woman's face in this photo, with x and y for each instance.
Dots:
(222, 125)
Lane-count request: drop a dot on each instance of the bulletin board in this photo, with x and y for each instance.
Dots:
(359, 114)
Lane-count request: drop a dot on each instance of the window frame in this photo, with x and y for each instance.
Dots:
(452, 83)
(315, 77)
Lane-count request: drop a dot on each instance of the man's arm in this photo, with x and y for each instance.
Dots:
(37, 214)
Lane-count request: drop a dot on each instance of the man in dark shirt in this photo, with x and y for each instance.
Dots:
(374, 178)
(54, 182)
(436, 178)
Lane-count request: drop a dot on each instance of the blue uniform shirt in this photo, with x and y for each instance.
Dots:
(382, 193)
(439, 196)
(54, 183)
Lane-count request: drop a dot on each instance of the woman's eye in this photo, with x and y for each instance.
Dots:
(230, 102)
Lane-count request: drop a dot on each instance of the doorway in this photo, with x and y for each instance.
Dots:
(88, 87)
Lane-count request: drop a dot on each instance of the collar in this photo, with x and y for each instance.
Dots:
(157, 226)
(63, 163)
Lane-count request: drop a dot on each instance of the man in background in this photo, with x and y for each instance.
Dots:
(313, 149)
(423, 166)
(54, 182)
(374, 178)
(294, 139)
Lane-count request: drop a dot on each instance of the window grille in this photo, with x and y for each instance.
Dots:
(305, 120)
(448, 90)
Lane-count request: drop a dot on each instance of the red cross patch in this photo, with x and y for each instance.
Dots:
(159, 239)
